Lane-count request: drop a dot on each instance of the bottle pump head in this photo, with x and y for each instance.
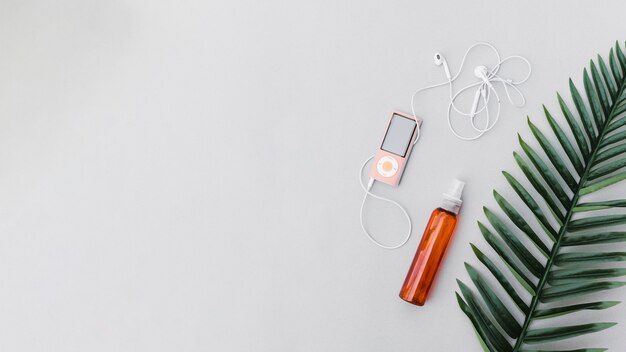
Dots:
(451, 200)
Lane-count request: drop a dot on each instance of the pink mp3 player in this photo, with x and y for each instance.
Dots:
(391, 158)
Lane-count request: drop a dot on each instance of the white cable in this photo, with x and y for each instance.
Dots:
(487, 88)
(368, 192)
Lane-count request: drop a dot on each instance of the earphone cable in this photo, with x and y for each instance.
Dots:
(483, 86)
(368, 192)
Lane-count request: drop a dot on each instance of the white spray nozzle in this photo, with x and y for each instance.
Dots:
(452, 199)
(456, 189)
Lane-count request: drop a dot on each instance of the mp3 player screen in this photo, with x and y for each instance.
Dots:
(398, 137)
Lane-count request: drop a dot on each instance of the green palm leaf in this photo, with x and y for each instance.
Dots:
(555, 274)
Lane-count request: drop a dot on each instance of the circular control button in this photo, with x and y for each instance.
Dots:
(387, 166)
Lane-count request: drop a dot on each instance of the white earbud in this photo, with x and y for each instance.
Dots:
(481, 72)
(439, 60)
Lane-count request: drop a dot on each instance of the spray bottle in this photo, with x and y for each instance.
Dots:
(433, 246)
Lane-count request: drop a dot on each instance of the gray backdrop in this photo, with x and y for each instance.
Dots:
(182, 175)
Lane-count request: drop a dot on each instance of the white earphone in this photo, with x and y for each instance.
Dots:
(481, 72)
(440, 60)
(484, 90)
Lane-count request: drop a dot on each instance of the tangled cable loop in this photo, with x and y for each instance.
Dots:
(483, 91)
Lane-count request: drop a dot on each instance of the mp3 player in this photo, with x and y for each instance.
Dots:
(391, 158)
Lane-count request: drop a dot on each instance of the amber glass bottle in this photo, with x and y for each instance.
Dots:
(432, 247)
